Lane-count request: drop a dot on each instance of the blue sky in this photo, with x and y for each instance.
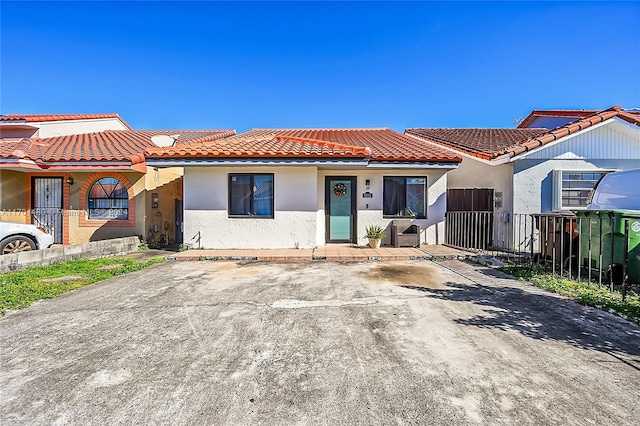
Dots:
(209, 65)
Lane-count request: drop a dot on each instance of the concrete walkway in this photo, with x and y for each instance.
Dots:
(339, 253)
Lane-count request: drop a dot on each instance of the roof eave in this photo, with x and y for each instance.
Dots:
(385, 164)
(17, 163)
(221, 161)
(73, 165)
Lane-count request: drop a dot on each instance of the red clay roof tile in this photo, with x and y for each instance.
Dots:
(492, 143)
(482, 143)
(110, 145)
(276, 146)
(380, 144)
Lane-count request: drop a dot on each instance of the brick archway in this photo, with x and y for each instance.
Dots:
(84, 190)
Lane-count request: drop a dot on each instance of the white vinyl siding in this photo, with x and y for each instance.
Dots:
(615, 140)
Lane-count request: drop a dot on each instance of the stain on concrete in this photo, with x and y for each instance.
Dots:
(252, 269)
(406, 275)
(227, 266)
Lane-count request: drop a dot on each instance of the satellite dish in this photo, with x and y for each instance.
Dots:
(164, 140)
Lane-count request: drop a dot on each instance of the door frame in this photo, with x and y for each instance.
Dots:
(28, 198)
(354, 209)
(179, 214)
(60, 221)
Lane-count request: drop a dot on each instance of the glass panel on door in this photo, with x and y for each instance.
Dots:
(340, 210)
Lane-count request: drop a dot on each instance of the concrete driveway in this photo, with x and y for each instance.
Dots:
(316, 343)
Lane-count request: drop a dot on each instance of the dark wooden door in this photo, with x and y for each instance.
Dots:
(470, 200)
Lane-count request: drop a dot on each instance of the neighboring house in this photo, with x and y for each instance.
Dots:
(537, 170)
(275, 188)
(50, 125)
(550, 119)
(93, 186)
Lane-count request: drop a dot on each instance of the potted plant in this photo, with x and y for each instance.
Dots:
(375, 234)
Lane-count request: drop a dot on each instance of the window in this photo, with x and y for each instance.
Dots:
(405, 197)
(572, 188)
(251, 195)
(108, 200)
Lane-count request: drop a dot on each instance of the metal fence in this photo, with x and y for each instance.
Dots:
(50, 219)
(603, 247)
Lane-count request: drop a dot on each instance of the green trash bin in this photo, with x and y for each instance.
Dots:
(602, 244)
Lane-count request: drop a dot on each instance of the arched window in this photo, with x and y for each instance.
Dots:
(108, 200)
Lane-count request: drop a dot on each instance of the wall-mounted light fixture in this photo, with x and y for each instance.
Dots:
(70, 180)
(367, 184)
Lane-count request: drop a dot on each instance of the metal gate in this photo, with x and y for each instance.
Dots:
(465, 229)
(47, 205)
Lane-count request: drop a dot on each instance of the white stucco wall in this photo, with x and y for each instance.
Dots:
(205, 203)
(299, 217)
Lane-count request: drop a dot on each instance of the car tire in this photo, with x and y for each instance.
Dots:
(16, 244)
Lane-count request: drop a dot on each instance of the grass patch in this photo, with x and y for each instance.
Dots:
(585, 293)
(21, 288)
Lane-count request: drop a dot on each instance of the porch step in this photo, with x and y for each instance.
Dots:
(337, 253)
(274, 255)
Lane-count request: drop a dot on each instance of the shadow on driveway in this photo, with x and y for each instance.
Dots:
(541, 315)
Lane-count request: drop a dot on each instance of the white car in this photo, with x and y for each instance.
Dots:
(617, 191)
(18, 237)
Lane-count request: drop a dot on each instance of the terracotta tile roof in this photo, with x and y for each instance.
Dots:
(21, 148)
(376, 144)
(483, 143)
(38, 118)
(570, 113)
(109, 145)
(272, 147)
(492, 143)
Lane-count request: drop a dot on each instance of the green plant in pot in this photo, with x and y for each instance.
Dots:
(375, 234)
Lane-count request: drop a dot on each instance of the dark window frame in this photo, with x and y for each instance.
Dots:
(354, 208)
(251, 208)
(384, 190)
(108, 197)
